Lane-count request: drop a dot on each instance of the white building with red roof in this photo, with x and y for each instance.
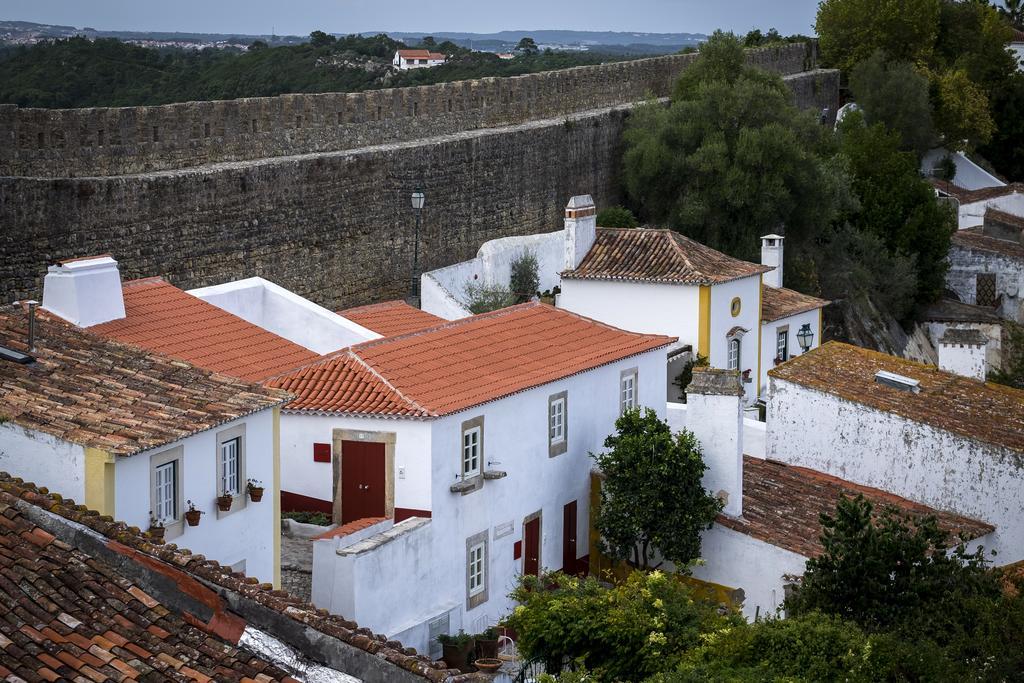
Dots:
(456, 457)
(417, 59)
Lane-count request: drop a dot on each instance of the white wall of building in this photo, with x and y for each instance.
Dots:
(769, 335)
(748, 290)
(992, 331)
(301, 475)
(43, 459)
(246, 534)
(969, 175)
(962, 278)
(286, 314)
(753, 430)
(874, 448)
(974, 213)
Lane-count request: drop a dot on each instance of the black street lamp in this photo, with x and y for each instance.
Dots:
(418, 200)
(805, 337)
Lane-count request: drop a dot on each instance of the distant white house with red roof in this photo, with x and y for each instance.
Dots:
(455, 457)
(417, 59)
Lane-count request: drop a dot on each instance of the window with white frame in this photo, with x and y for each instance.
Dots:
(165, 492)
(477, 555)
(734, 355)
(627, 390)
(229, 452)
(471, 452)
(556, 421)
(782, 344)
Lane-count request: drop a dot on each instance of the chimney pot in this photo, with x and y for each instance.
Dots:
(771, 255)
(580, 229)
(84, 291)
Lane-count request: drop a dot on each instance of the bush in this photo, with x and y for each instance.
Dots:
(319, 518)
(486, 298)
(524, 280)
(616, 217)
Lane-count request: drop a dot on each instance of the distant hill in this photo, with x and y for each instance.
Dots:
(670, 42)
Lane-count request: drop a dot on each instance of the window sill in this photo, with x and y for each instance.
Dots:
(464, 486)
(238, 502)
(495, 474)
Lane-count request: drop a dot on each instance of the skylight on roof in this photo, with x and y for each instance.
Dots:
(15, 356)
(902, 382)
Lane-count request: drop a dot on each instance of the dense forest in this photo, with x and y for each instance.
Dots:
(78, 72)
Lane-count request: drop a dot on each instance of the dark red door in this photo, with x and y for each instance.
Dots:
(362, 480)
(569, 538)
(531, 547)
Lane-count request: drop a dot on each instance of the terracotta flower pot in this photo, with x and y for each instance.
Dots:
(192, 517)
(487, 649)
(255, 493)
(457, 656)
(488, 664)
(224, 503)
(157, 531)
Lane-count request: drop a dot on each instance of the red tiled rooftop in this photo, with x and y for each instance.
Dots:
(160, 317)
(350, 528)
(420, 54)
(971, 196)
(975, 239)
(657, 255)
(783, 504)
(779, 302)
(391, 318)
(462, 363)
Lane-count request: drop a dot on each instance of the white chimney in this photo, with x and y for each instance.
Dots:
(84, 291)
(580, 229)
(715, 416)
(962, 351)
(771, 255)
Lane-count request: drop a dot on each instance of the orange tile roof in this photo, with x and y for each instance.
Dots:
(975, 238)
(783, 504)
(985, 412)
(160, 317)
(657, 255)
(462, 363)
(115, 397)
(420, 54)
(779, 302)
(391, 318)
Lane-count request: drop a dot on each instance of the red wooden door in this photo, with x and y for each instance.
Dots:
(362, 480)
(531, 547)
(569, 538)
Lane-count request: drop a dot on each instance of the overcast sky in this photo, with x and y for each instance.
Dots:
(299, 17)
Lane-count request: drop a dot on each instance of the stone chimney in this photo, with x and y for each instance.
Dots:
(771, 255)
(580, 229)
(962, 351)
(714, 413)
(84, 291)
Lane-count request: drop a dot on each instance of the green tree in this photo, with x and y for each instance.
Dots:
(321, 39)
(527, 46)
(524, 278)
(1005, 151)
(484, 298)
(616, 217)
(962, 111)
(652, 498)
(852, 30)
(896, 95)
(429, 42)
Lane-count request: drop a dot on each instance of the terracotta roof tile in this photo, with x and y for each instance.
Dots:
(985, 412)
(462, 363)
(87, 608)
(782, 505)
(655, 255)
(779, 302)
(420, 54)
(974, 239)
(112, 396)
(391, 318)
(161, 317)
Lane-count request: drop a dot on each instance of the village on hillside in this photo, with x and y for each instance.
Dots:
(753, 411)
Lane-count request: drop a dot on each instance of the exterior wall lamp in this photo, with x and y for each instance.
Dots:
(418, 200)
(805, 337)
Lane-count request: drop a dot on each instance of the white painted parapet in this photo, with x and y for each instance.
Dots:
(714, 404)
(963, 351)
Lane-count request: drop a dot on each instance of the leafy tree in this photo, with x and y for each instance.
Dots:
(429, 42)
(852, 30)
(1005, 151)
(485, 298)
(1014, 11)
(616, 217)
(623, 633)
(321, 39)
(882, 569)
(896, 95)
(962, 112)
(652, 499)
(258, 45)
(527, 46)
(524, 279)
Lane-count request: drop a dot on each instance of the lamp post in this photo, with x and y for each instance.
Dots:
(805, 337)
(418, 200)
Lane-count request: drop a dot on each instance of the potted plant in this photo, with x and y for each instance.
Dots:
(224, 502)
(255, 489)
(456, 650)
(192, 514)
(487, 644)
(156, 527)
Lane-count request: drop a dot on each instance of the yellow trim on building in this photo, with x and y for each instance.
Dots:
(275, 491)
(704, 322)
(760, 326)
(99, 481)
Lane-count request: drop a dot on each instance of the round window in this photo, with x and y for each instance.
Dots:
(735, 307)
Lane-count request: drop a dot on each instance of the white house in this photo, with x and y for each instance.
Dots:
(986, 265)
(770, 525)
(969, 175)
(417, 59)
(137, 435)
(972, 204)
(456, 458)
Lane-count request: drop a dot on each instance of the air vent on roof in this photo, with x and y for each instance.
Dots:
(15, 356)
(891, 379)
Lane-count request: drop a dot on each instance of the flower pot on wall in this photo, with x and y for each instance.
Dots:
(457, 656)
(192, 517)
(156, 532)
(224, 502)
(255, 492)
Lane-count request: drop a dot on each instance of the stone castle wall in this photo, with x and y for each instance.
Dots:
(113, 141)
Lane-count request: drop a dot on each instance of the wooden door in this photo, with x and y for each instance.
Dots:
(531, 547)
(569, 538)
(362, 480)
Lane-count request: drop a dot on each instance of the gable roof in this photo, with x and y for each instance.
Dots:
(115, 397)
(985, 412)
(975, 239)
(97, 595)
(658, 255)
(783, 504)
(779, 302)
(391, 318)
(462, 363)
(420, 54)
(160, 317)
